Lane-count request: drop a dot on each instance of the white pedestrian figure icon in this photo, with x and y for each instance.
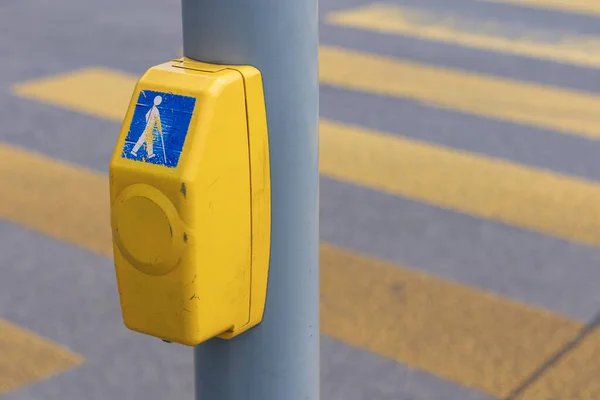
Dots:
(147, 136)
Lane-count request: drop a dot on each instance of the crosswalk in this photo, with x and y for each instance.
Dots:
(517, 194)
(495, 345)
(367, 309)
(574, 6)
(510, 38)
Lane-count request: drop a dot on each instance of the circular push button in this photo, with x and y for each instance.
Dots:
(146, 227)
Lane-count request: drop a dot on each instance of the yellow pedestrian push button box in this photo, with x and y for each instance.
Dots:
(191, 202)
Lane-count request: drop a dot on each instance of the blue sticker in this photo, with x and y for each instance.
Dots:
(159, 127)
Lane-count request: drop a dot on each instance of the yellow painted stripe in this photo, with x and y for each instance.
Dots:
(459, 333)
(476, 339)
(100, 92)
(476, 33)
(585, 7)
(526, 197)
(55, 184)
(25, 357)
(562, 110)
(574, 376)
(504, 99)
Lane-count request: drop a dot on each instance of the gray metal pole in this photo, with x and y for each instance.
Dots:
(278, 359)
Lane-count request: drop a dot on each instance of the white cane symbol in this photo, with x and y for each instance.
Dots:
(152, 121)
(162, 140)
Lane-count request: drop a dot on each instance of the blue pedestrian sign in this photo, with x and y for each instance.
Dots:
(158, 128)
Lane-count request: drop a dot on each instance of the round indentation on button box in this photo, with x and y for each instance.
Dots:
(147, 229)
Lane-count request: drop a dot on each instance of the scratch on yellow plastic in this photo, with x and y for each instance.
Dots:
(191, 244)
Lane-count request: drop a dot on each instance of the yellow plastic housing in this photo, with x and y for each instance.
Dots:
(192, 236)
